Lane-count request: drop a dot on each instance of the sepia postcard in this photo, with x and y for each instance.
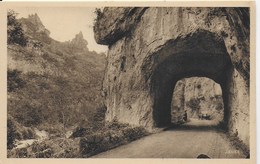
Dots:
(131, 82)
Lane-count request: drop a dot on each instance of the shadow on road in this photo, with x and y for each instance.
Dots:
(192, 127)
(195, 125)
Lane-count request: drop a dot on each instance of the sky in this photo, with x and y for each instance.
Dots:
(65, 23)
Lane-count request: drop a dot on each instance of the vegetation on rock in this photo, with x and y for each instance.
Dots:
(15, 33)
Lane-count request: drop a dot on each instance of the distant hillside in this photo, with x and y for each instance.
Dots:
(50, 81)
(55, 108)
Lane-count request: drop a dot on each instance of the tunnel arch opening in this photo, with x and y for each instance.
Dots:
(197, 101)
(200, 54)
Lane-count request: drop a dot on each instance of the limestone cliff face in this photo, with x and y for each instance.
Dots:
(205, 91)
(178, 101)
(232, 24)
(121, 21)
(150, 49)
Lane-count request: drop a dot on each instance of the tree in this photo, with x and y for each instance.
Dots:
(10, 132)
(98, 13)
(14, 80)
(15, 33)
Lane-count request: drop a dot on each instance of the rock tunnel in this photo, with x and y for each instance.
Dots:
(150, 49)
(201, 55)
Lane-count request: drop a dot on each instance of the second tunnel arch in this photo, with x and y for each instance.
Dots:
(197, 98)
(201, 54)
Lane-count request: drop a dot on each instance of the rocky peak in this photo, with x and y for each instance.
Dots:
(34, 18)
(79, 41)
(33, 24)
(79, 35)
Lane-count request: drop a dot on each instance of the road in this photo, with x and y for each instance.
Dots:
(187, 141)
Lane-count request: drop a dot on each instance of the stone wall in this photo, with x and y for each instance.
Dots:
(150, 49)
(178, 102)
(238, 107)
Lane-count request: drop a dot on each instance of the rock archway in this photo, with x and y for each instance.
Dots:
(150, 49)
(196, 96)
(201, 54)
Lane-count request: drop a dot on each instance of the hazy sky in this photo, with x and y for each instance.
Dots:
(65, 23)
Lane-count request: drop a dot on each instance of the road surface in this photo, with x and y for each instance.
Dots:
(188, 141)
